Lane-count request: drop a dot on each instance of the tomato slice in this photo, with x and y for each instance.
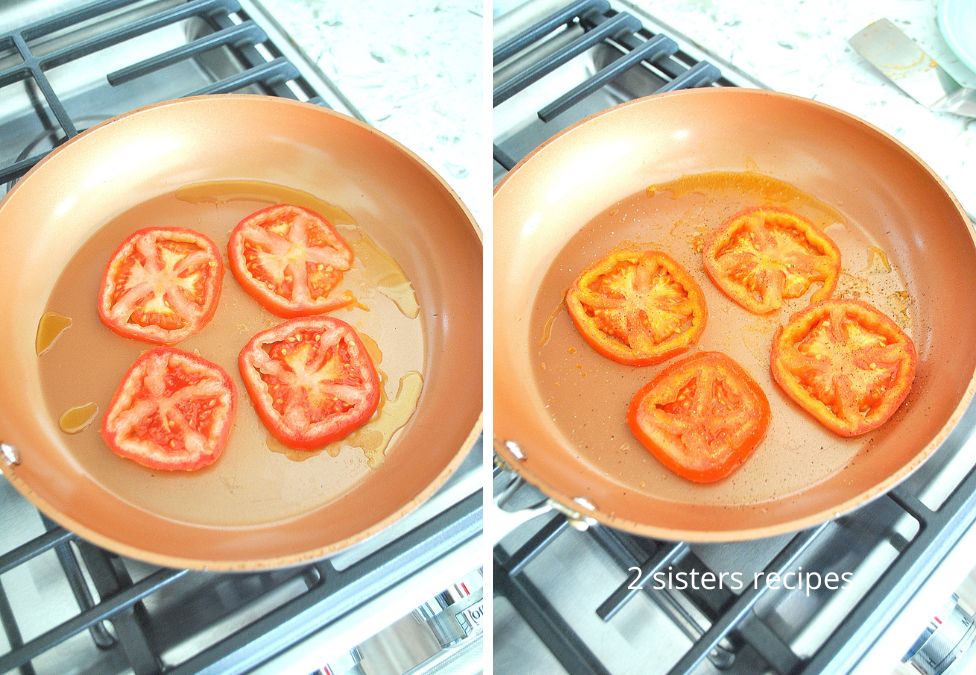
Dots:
(637, 307)
(290, 259)
(161, 285)
(311, 380)
(763, 255)
(701, 417)
(845, 363)
(173, 411)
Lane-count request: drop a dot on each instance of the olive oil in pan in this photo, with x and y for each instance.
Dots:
(219, 193)
(89, 361)
(382, 272)
(797, 452)
(77, 419)
(49, 329)
(374, 437)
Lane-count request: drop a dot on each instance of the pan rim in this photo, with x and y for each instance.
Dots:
(256, 563)
(566, 502)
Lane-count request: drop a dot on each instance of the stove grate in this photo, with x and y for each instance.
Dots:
(635, 47)
(328, 594)
(230, 27)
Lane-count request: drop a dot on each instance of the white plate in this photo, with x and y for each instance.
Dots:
(957, 22)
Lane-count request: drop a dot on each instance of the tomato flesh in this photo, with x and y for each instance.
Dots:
(311, 380)
(701, 417)
(173, 411)
(290, 260)
(161, 285)
(845, 363)
(637, 307)
(762, 256)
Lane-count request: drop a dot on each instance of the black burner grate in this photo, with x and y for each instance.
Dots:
(230, 28)
(734, 632)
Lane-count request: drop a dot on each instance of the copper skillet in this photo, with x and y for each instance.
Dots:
(254, 508)
(575, 445)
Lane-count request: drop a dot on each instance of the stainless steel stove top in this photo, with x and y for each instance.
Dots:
(570, 588)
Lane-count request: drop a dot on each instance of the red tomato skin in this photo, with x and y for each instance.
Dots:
(718, 277)
(720, 471)
(306, 441)
(270, 301)
(839, 427)
(603, 345)
(198, 325)
(599, 346)
(111, 440)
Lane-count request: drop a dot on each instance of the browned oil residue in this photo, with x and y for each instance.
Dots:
(900, 302)
(49, 329)
(77, 419)
(383, 272)
(766, 188)
(697, 240)
(877, 262)
(374, 437)
(851, 286)
(224, 191)
(547, 326)
(631, 245)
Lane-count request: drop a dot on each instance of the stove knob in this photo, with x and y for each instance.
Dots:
(949, 635)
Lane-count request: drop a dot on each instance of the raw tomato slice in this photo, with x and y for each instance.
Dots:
(701, 417)
(762, 256)
(637, 307)
(290, 259)
(173, 411)
(845, 363)
(311, 380)
(161, 285)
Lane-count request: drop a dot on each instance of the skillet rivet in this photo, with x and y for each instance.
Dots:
(11, 455)
(515, 449)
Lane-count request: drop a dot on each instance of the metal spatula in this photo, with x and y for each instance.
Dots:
(912, 70)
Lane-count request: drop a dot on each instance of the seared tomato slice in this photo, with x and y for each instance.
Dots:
(845, 363)
(173, 411)
(161, 285)
(637, 307)
(290, 259)
(311, 380)
(761, 256)
(701, 417)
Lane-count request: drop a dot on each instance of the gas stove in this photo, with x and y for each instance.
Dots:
(68, 606)
(578, 601)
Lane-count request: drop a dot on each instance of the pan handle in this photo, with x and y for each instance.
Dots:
(516, 502)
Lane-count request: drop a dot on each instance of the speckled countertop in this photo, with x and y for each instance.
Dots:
(800, 47)
(414, 70)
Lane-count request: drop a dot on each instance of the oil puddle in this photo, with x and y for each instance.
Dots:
(77, 419)
(382, 272)
(51, 326)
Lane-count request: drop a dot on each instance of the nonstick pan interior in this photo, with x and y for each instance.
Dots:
(565, 406)
(259, 506)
